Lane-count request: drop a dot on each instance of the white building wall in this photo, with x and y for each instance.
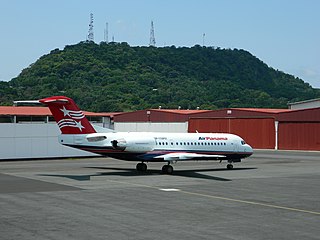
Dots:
(305, 104)
(40, 140)
(174, 127)
(34, 140)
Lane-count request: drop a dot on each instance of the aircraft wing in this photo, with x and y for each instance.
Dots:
(180, 156)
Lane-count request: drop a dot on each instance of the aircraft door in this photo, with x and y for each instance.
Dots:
(235, 145)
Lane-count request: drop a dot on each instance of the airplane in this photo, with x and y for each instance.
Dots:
(77, 132)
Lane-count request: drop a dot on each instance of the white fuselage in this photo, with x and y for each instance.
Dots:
(149, 146)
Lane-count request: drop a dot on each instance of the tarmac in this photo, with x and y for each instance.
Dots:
(271, 195)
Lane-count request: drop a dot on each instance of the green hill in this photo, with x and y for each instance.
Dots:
(117, 77)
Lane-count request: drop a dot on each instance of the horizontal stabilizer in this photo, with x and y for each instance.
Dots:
(26, 103)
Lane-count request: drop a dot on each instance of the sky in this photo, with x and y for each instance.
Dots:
(285, 34)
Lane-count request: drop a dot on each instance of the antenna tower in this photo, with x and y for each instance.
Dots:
(90, 32)
(152, 38)
(106, 34)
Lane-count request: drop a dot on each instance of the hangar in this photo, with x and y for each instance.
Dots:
(155, 120)
(299, 130)
(30, 132)
(282, 129)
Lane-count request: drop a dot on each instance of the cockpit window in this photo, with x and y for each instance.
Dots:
(243, 142)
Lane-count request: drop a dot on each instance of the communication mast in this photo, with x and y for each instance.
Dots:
(106, 34)
(152, 38)
(203, 35)
(90, 32)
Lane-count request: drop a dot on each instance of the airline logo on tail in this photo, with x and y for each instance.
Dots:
(70, 123)
(72, 114)
(67, 122)
(70, 119)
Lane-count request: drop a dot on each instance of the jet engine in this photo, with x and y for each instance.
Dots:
(119, 144)
(134, 144)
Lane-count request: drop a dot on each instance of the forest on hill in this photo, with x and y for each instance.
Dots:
(117, 77)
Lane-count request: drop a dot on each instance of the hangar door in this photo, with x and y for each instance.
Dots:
(299, 136)
(258, 132)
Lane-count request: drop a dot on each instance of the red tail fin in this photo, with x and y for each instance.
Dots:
(68, 116)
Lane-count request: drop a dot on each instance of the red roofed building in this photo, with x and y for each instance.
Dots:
(262, 128)
(157, 115)
(285, 129)
(30, 132)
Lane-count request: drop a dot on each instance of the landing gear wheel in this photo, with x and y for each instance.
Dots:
(141, 167)
(229, 166)
(167, 169)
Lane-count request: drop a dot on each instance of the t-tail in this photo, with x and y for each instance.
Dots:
(68, 116)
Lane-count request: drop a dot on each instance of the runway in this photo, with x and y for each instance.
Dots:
(271, 195)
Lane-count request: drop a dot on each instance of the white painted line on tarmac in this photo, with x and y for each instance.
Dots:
(169, 189)
(252, 203)
(222, 198)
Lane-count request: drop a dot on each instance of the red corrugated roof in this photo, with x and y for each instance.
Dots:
(34, 111)
(263, 110)
(180, 111)
(41, 111)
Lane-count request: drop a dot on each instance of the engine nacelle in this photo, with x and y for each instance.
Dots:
(119, 144)
(134, 144)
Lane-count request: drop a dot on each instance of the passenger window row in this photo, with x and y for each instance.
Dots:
(193, 143)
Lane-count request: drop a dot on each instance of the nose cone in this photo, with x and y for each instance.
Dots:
(248, 149)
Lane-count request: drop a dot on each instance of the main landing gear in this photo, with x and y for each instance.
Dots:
(141, 167)
(229, 166)
(166, 169)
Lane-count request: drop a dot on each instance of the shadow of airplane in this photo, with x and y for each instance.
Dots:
(129, 172)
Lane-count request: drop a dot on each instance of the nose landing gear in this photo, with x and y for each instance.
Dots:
(230, 161)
